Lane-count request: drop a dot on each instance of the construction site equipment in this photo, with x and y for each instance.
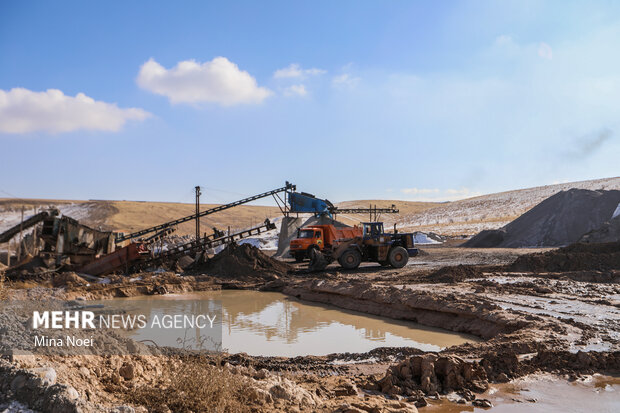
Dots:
(308, 203)
(201, 245)
(319, 237)
(121, 259)
(374, 245)
(136, 256)
(33, 220)
(289, 188)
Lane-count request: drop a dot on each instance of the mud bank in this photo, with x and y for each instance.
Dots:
(471, 315)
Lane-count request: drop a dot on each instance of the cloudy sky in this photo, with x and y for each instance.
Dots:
(348, 99)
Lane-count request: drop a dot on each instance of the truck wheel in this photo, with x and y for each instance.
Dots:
(299, 256)
(398, 257)
(350, 259)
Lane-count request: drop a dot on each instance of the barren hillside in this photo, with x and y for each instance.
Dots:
(470, 216)
(464, 217)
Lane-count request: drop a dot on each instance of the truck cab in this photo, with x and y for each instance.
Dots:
(307, 238)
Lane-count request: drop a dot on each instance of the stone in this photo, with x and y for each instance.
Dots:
(23, 358)
(346, 389)
(421, 402)
(482, 403)
(261, 374)
(18, 382)
(127, 371)
(116, 378)
(502, 378)
(123, 409)
(258, 395)
(47, 375)
(71, 393)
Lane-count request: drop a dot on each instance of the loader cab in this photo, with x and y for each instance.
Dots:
(372, 229)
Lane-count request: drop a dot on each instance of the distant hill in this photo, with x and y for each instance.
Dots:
(472, 215)
(467, 216)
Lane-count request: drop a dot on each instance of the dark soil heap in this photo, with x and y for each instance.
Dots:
(243, 261)
(575, 257)
(452, 274)
(558, 220)
(608, 232)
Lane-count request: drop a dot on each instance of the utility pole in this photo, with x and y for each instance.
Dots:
(197, 212)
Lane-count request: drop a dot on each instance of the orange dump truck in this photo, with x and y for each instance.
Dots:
(320, 237)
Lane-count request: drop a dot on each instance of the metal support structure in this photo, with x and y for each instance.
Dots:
(204, 244)
(288, 187)
(198, 193)
(373, 212)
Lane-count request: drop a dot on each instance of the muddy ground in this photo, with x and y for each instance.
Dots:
(557, 312)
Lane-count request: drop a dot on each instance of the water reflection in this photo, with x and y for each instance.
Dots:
(265, 323)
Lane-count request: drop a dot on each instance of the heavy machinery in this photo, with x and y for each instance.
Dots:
(319, 237)
(374, 245)
(287, 189)
(303, 202)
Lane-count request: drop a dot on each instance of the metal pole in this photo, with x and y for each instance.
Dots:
(21, 229)
(197, 212)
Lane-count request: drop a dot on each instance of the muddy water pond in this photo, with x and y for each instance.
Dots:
(274, 324)
(545, 393)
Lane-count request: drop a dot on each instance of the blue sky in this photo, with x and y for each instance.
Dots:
(348, 100)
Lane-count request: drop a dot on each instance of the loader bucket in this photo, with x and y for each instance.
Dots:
(318, 261)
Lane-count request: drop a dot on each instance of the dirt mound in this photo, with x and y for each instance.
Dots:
(239, 261)
(69, 279)
(453, 274)
(575, 257)
(608, 232)
(559, 220)
(430, 374)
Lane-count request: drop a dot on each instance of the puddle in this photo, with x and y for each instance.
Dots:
(274, 324)
(545, 394)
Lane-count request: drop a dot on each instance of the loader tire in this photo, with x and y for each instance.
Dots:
(398, 257)
(350, 259)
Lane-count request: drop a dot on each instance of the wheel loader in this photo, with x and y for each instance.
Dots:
(374, 245)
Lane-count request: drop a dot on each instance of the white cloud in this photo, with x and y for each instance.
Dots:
(23, 111)
(294, 70)
(503, 39)
(345, 80)
(295, 90)
(218, 81)
(545, 51)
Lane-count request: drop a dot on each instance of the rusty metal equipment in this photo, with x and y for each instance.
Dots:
(120, 260)
(201, 245)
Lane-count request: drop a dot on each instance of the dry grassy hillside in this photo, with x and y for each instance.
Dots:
(405, 208)
(133, 215)
(467, 216)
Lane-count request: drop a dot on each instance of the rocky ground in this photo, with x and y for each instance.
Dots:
(556, 312)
